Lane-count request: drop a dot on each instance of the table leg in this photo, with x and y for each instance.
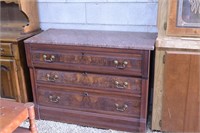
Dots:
(31, 113)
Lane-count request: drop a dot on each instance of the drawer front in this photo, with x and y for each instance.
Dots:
(88, 80)
(89, 101)
(6, 49)
(125, 64)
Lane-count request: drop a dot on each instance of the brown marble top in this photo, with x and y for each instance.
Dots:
(109, 39)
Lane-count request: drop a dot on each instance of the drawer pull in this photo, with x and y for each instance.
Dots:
(121, 86)
(51, 58)
(121, 65)
(51, 78)
(121, 109)
(54, 99)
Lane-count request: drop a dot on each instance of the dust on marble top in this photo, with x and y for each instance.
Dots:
(104, 39)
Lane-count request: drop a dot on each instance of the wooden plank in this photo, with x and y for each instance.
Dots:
(30, 8)
(180, 111)
(192, 114)
(158, 90)
(162, 17)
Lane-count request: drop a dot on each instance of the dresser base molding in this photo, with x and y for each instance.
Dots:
(91, 119)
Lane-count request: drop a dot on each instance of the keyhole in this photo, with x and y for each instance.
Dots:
(85, 94)
(82, 54)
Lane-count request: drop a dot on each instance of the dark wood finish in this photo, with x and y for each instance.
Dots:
(90, 80)
(95, 60)
(90, 101)
(16, 25)
(90, 85)
(181, 92)
(91, 119)
(13, 114)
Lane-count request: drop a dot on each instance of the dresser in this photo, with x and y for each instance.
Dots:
(91, 78)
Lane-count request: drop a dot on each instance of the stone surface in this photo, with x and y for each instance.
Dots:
(129, 40)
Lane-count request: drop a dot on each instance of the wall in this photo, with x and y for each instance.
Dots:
(118, 15)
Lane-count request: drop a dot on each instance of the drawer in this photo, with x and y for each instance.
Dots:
(101, 62)
(6, 49)
(90, 80)
(89, 101)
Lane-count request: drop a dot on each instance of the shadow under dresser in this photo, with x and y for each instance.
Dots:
(91, 78)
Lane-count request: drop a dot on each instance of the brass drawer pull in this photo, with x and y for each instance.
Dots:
(51, 58)
(121, 65)
(51, 78)
(121, 86)
(121, 109)
(54, 99)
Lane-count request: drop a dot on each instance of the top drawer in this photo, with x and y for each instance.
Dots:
(98, 61)
(6, 49)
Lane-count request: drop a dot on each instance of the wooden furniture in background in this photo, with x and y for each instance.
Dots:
(17, 23)
(175, 16)
(13, 114)
(20, 14)
(164, 44)
(181, 106)
(91, 78)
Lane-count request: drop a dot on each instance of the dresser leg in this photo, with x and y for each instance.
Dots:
(31, 113)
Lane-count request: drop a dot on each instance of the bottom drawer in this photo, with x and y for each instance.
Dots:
(89, 101)
(92, 119)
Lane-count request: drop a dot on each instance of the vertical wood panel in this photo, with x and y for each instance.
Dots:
(192, 114)
(158, 90)
(180, 111)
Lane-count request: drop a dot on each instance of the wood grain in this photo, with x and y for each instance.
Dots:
(162, 17)
(158, 89)
(181, 95)
(29, 7)
(13, 114)
(10, 84)
(80, 86)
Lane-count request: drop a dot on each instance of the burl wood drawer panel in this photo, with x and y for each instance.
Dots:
(101, 62)
(89, 80)
(87, 100)
(6, 49)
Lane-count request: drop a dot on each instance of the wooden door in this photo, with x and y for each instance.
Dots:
(181, 97)
(9, 81)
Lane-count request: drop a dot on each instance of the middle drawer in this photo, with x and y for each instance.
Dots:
(89, 80)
